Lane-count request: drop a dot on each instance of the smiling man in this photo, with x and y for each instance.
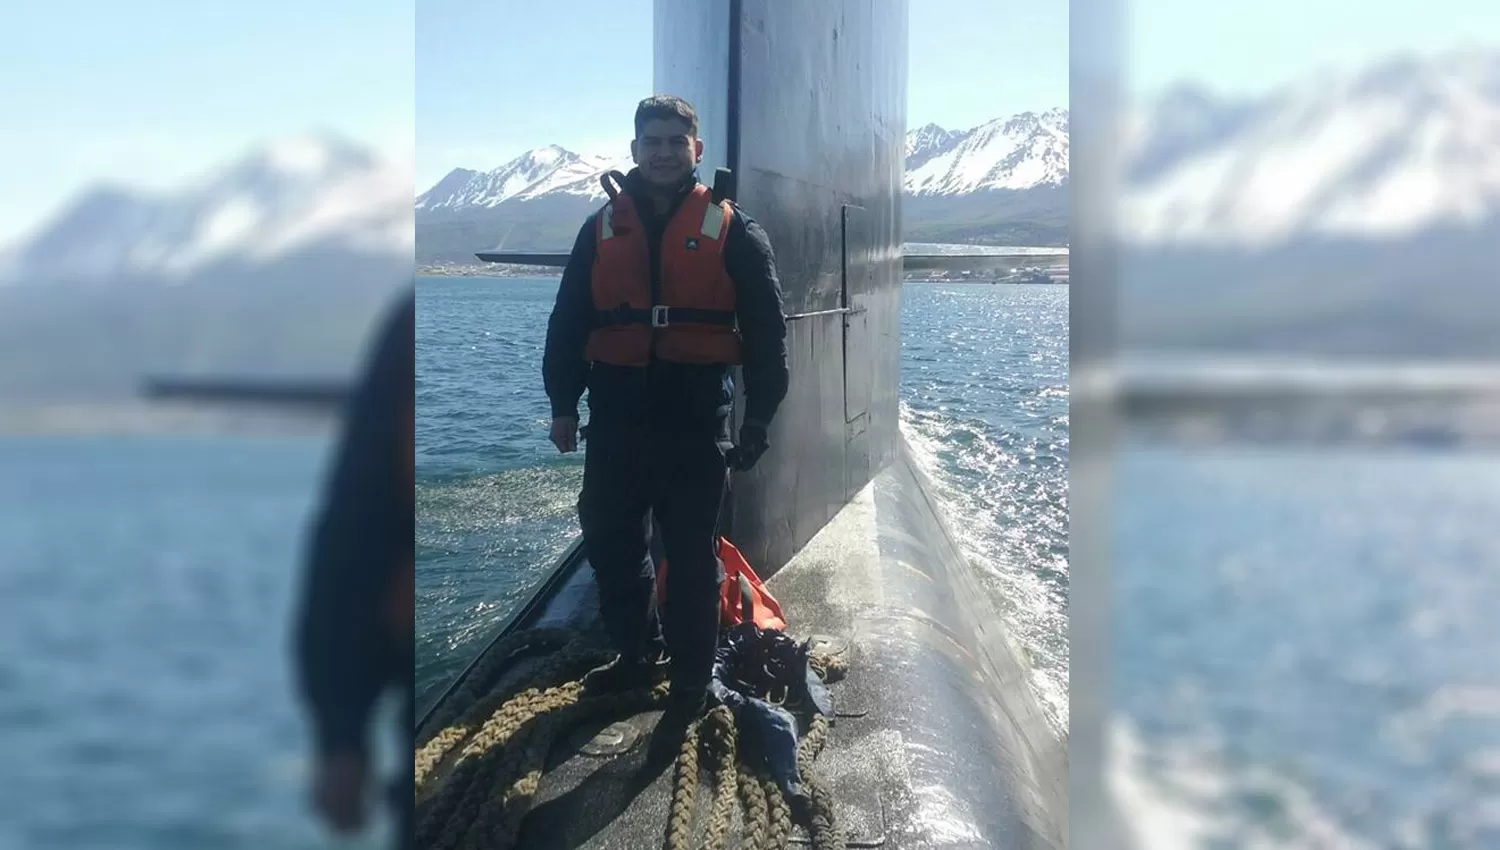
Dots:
(665, 292)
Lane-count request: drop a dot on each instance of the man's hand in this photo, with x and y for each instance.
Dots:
(752, 445)
(339, 791)
(565, 433)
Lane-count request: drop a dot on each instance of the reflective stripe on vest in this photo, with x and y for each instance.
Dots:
(694, 320)
(713, 221)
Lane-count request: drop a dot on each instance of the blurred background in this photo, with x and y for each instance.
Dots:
(1305, 478)
(206, 208)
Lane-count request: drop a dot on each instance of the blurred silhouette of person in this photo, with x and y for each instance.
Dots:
(355, 630)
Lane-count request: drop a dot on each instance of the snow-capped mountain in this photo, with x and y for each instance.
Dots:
(1392, 150)
(280, 263)
(1348, 214)
(925, 142)
(1021, 152)
(1003, 180)
(294, 195)
(532, 175)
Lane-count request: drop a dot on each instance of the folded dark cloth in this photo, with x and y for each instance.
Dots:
(765, 678)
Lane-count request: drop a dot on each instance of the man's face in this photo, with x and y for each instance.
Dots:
(666, 151)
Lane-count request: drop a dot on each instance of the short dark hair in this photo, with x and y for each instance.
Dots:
(665, 107)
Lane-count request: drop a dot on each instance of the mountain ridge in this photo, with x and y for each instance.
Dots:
(304, 193)
(1349, 214)
(1001, 182)
(279, 263)
(1381, 151)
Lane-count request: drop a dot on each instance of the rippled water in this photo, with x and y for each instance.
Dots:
(984, 390)
(145, 685)
(984, 404)
(1305, 648)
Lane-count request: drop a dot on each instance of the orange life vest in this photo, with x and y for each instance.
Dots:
(692, 321)
(742, 588)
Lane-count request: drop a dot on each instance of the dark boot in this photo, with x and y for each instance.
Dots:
(627, 675)
(686, 703)
(683, 708)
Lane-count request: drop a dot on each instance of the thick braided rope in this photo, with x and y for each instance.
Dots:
(679, 833)
(508, 756)
(830, 668)
(779, 815)
(494, 735)
(481, 679)
(505, 759)
(500, 826)
(555, 669)
(767, 816)
(721, 744)
(450, 814)
(824, 828)
(756, 815)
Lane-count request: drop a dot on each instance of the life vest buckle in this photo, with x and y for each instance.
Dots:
(659, 316)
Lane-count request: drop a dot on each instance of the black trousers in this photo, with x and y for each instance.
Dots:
(629, 474)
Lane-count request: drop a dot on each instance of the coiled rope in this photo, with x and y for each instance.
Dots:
(491, 783)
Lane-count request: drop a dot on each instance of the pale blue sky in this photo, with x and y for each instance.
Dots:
(496, 79)
(1245, 48)
(155, 92)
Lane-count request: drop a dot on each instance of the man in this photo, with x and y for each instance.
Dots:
(355, 632)
(664, 292)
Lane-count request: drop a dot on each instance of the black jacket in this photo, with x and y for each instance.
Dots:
(670, 395)
(363, 533)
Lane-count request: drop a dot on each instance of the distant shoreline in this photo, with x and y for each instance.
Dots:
(548, 272)
(488, 271)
